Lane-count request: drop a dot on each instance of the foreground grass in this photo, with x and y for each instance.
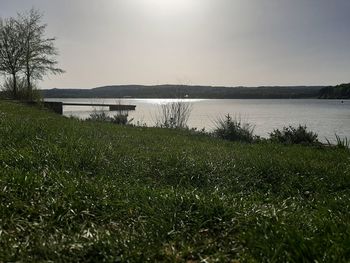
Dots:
(83, 191)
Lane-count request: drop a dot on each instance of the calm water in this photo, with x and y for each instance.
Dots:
(326, 117)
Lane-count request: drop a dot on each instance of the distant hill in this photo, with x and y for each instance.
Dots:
(337, 92)
(176, 91)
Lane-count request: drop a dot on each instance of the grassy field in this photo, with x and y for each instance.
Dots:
(78, 191)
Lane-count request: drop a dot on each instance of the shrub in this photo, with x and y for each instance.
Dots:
(22, 90)
(234, 129)
(121, 118)
(292, 135)
(99, 116)
(7, 88)
(174, 115)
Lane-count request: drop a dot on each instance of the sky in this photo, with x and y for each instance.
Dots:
(195, 42)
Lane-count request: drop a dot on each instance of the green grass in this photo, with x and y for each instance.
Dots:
(92, 192)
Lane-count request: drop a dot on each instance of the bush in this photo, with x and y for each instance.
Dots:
(174, 115)
(234, 129)
(23, 93)
(292, 135)
(99, 116)
(121, 118)
(7, 88)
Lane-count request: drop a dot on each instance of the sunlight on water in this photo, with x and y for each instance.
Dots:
(165, 101)
(326, 117)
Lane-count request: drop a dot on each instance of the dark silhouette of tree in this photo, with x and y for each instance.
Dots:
(26, 51)
(39, 52)
(11, 50)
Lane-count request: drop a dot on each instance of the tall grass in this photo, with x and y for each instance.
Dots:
(342, 143)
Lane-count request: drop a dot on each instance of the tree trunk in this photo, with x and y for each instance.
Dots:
(14, 85)
(29, 87)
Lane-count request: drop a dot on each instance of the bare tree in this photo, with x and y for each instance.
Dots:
(11, 50)
(25, 49)
(39, 52)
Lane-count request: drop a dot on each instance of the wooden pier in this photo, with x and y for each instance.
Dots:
(58, 106)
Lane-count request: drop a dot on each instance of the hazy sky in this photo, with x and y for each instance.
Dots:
(209, 42)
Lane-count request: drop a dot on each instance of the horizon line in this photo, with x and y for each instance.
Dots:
(192, 85)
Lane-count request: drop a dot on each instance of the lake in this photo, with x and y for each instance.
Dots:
(325, 117)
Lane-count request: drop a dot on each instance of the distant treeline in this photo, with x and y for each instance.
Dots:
(183, 91)
(337, 92)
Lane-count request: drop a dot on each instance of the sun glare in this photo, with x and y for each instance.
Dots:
(169, 5)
